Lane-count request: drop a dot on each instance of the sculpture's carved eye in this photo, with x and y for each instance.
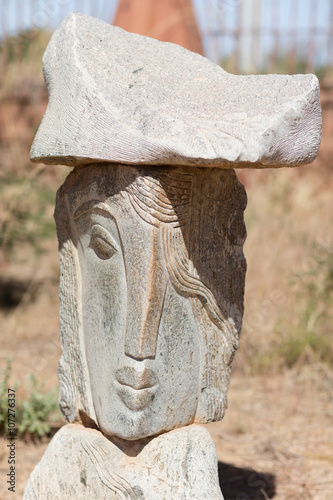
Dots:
(102, 243)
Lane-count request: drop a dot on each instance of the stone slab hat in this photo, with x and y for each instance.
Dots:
(121, 97)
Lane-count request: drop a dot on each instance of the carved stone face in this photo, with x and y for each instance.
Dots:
(151, 295)
(140, 335)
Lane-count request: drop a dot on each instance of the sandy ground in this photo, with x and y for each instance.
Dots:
(276, 440)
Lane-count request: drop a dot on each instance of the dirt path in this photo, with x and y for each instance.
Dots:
(276, 440)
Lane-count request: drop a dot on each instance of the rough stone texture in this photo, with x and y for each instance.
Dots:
(81, 463)
(120, 97)
(152, 284)
(152, 265)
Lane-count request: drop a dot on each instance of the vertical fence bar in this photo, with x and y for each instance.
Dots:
(220, 33)
(310, 59)
(291, 54)
(208, 29)
(256, 35)
(275, 16)
(237, 38)
(329, 62)
(215, 24)
(19, 13)
(30, 12)
(3, 58)
(3, 21)
(245, 36)
(14, 15)
(216, 31)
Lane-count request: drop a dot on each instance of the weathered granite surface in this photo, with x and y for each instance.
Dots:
(82, 464)
(151, 293)
(150, 238)
(132, 99)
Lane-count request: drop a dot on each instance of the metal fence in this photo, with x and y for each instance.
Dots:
(22, 15)
(245, 36)
(252, 36)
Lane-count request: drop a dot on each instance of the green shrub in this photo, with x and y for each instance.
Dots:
(34, 415)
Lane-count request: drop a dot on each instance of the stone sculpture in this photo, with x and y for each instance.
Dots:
(150, 227)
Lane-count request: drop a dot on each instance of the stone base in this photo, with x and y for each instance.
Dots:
(81, 463)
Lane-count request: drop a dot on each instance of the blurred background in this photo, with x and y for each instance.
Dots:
(277, 438)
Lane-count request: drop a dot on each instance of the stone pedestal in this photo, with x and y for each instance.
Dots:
(150, 227)
(82, 463)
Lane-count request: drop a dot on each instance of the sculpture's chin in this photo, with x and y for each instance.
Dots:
(134, 428)
(128, 430)
(135, 425)
(127, 435)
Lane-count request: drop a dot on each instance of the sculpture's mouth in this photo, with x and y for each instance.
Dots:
(136, 399)
(136, 388)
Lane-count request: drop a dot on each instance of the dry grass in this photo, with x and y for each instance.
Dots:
(289, 286)
(20, 58)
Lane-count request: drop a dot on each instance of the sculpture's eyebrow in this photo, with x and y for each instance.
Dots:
(91, 205)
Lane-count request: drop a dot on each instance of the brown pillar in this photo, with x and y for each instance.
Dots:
(167, 20)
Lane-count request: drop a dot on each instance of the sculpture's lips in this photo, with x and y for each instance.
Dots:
(136, 388)
(136, 379)
(136, 400)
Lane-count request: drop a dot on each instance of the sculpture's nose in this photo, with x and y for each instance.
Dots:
(146, 290)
